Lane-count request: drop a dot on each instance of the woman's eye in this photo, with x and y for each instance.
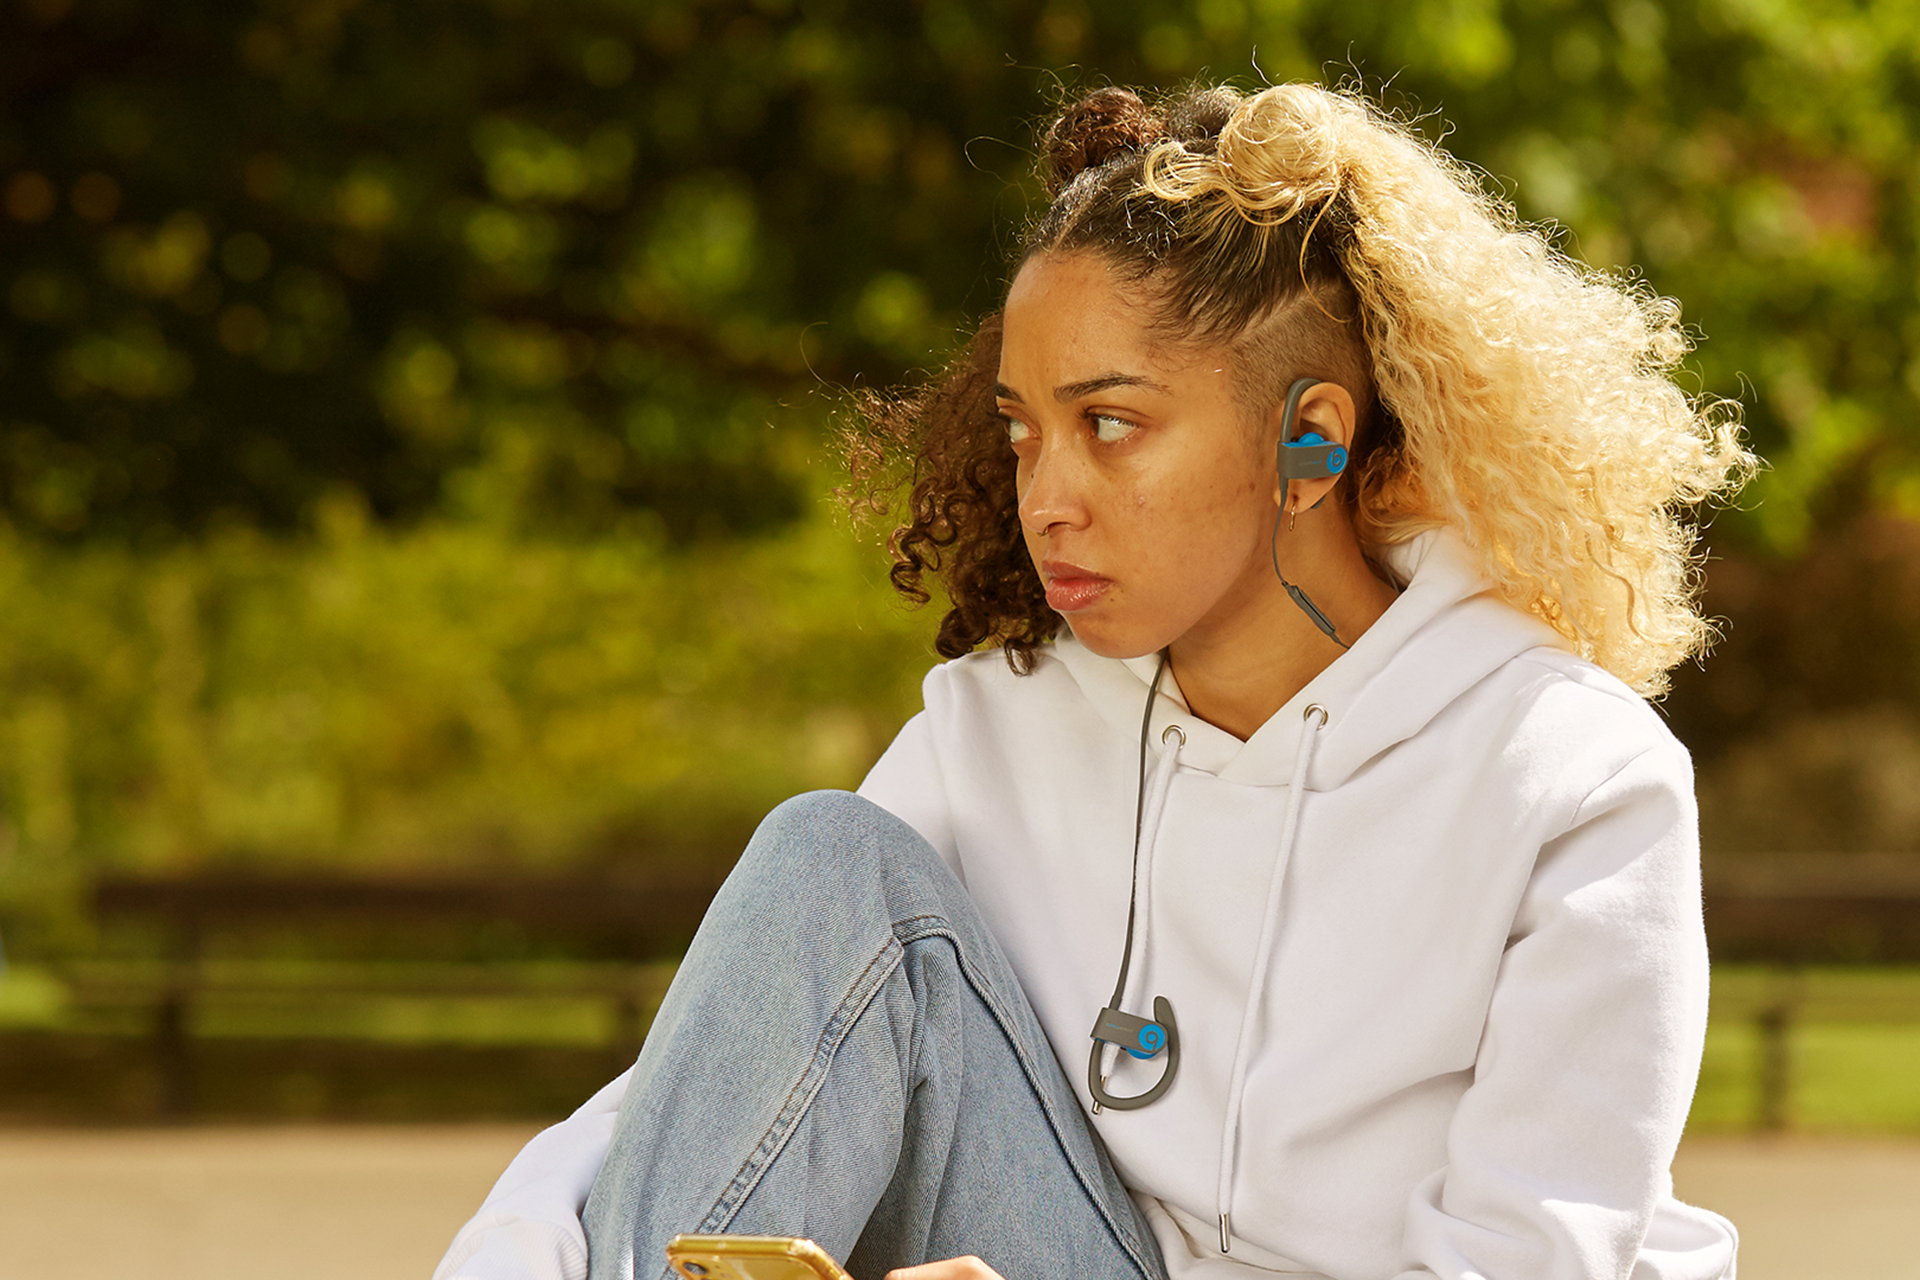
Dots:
(1018, 432)
(1111, 430)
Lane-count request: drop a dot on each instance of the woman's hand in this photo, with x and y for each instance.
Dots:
(967, 1268)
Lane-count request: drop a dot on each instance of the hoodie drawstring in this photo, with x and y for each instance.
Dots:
(1313, 720)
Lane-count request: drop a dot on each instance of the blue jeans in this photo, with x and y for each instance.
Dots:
(846, 1055)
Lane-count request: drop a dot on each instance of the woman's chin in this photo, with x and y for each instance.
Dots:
(1109, 641)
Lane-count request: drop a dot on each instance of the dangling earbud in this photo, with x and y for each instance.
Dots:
(1138, 1037)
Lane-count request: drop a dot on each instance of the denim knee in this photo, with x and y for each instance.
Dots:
(832, 840)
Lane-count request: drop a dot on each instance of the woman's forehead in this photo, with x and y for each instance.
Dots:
(1076, 274)
(1074, 315)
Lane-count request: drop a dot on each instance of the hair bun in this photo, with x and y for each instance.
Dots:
(1104, 124)
(1277, 154)
(1282, 147)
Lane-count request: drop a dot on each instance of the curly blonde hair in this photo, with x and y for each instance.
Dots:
(1506, 392)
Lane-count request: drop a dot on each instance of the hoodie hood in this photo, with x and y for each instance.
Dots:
(1445, 634)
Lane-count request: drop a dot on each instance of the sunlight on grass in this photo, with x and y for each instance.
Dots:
(1853, 1049)
(1857, 1078)
(30, 998)
(1728, 1095)
(472, 1020)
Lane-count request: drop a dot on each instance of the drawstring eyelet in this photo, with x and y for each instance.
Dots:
(1173, 731)
(1311, 710)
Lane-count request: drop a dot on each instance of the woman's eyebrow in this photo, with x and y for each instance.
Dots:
(1088, 386)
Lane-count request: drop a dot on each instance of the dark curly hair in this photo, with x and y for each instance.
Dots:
(1206, 278)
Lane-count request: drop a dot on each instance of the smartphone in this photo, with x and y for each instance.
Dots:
(751, 1258)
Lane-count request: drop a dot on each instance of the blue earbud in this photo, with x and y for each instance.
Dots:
(1135, 1035)
(1138, 1038)
(1311, 457)
(1152, 1038)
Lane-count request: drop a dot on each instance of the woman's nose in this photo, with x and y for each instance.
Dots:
(1053, 491)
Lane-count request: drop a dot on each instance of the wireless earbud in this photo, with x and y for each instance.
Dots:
(1312, 456)
(1140, 1039)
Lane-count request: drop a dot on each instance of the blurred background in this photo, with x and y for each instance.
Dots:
(418, 554)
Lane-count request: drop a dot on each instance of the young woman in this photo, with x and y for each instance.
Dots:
(1324, 899)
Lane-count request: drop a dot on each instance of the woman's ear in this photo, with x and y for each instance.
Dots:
(1327, 410)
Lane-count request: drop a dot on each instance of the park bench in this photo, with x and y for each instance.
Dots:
(1803, 908)
(1784, 911)
(225, 937)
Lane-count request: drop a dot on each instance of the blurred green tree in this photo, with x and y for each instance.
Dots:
(557, 262)
(492, 303)
(530, 263)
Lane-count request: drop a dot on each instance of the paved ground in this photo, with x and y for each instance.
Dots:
(360, 1203)
(380, 1203)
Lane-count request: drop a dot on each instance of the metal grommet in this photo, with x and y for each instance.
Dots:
(1173, 731)
(1311, 709)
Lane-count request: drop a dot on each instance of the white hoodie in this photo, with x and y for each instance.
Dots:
(1432, 937)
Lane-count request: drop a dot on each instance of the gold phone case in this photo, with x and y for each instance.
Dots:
(751, 1258)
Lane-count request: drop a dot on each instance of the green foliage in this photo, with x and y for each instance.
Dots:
(491, 306)
(446, 698)
(509, 262)
(555, 263)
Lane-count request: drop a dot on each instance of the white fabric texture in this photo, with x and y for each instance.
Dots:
(1466, 1049)
(528, 1228)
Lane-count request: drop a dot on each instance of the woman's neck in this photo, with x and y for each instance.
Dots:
(1237, 671)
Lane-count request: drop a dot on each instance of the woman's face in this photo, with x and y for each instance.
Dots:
(1146, 496)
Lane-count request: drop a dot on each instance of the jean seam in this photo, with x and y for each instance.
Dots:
(938, 927)
(801, 1096)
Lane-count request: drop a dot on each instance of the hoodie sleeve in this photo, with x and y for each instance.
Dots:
(528, 1228)
(1559, 1153)
(907, 783)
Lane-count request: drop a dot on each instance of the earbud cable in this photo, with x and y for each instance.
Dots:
(1139, 822)
(1299, 597)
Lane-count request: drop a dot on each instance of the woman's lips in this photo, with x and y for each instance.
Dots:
(1071, 588)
